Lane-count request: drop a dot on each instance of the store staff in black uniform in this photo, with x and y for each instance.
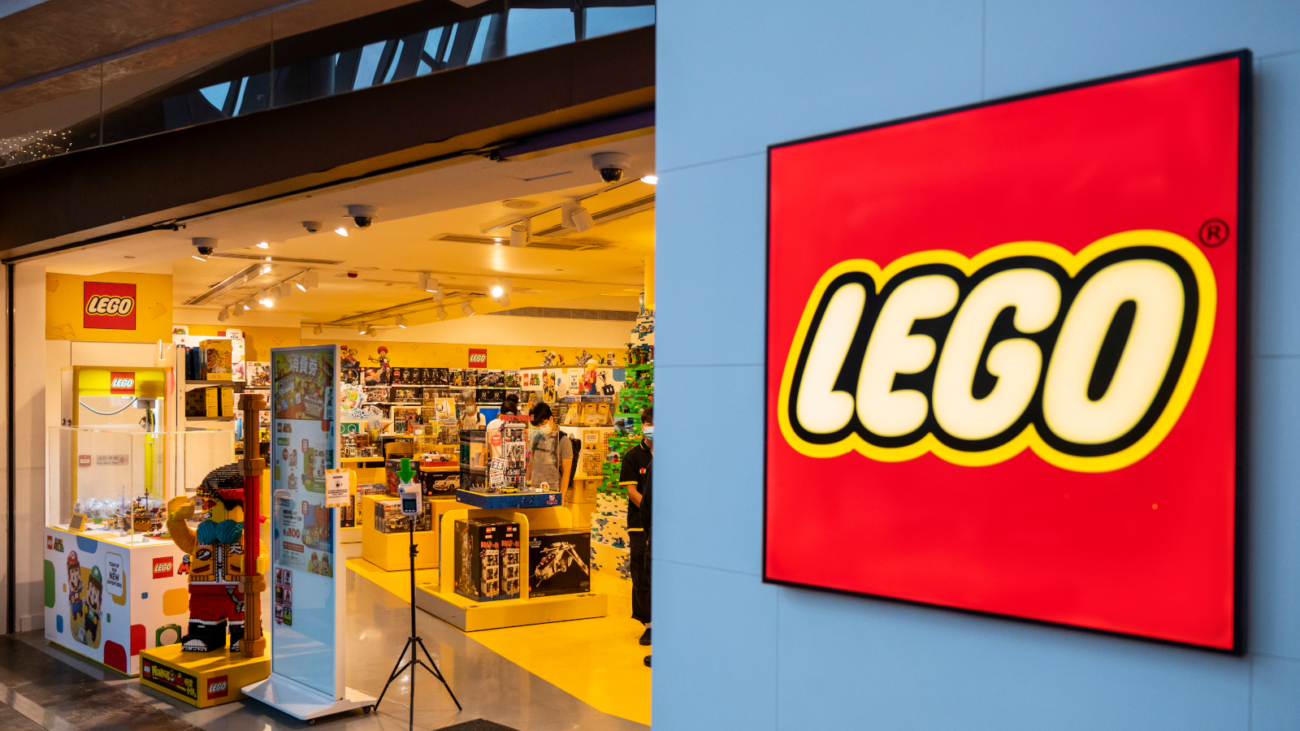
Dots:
(636, 478)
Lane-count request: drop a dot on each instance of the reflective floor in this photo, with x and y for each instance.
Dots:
(490, 686)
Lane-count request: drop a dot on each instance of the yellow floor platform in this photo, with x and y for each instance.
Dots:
(203, 679)
(474, 616)
(597, 661)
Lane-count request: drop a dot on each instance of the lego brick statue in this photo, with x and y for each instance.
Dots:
(216, 560)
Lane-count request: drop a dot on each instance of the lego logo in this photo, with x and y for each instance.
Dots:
(123, 383)
(214, 687)
(478, 358)
(109, 305)
(218, 687)
(1087, 359)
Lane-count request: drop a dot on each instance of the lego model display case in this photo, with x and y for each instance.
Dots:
(115, 583)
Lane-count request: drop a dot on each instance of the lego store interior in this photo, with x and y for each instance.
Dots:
(408, 314)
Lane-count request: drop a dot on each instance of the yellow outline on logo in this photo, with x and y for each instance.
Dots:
(1029, 438)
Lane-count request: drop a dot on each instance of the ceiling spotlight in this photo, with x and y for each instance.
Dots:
(519, 234)
(508, 286)
(223, 315)
(263, 245)
(467, 309)
(286, 289)
(373, 333)
(422, 281)
(361, 329)
(504, 300)
(312, 278)
(401, 322)
(247, 304)
(239, 308)
(650, 179)
(440, 313)
(196, 256)
(582, 219)
(301, 284)
(497, 290)
(268, 302)
(341, 231)
(574, 215)
(266, 268)
(318, 329)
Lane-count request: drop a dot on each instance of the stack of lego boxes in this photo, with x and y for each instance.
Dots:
(487, 559)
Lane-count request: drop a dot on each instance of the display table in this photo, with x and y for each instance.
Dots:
(506, 501)
(144, 599)
(442, 601)
(392, 551)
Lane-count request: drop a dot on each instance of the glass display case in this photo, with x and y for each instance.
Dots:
(116, 483)
(115, 583)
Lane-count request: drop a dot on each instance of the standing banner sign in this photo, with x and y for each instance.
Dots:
(307, 641)
(1004, 362)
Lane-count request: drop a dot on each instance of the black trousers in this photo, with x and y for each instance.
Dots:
(639, 564)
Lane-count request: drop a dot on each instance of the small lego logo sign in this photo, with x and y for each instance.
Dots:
(478, 357)
(121, 384)
(163, 567)
(108, 306)
(218, 687)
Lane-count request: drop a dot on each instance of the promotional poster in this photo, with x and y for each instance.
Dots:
(303, 450)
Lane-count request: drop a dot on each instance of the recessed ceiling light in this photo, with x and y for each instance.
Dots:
(196, 256)
(650, 179)
(519, 204)
(128, 256)
(341, 231)
(266, 269)
(263, 245)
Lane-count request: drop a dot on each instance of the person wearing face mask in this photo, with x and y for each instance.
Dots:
(637, 477)
(552, 454)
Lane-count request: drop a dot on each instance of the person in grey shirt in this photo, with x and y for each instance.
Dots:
(551, 452)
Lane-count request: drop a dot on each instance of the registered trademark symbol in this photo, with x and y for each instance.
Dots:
(1214, 232)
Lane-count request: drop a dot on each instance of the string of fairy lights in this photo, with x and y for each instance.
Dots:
(37, 145)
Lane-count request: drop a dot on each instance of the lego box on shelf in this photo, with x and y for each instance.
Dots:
(559, 562)
(478, 557)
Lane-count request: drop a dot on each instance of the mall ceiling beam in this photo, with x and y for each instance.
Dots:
(160, 181)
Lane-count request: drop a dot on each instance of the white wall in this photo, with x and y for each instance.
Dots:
(29, 445)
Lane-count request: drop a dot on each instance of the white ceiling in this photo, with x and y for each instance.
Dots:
(413, 207)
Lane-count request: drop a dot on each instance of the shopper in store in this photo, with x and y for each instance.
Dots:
(636, 478)
(552, 454)
(472, 418)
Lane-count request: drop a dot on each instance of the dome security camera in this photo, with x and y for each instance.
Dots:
(311, 226)
(611, 165)
(363, 216)
(205, 245)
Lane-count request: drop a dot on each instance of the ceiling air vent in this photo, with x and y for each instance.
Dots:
(536, 242)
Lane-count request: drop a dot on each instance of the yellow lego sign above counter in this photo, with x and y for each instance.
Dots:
(94, 308)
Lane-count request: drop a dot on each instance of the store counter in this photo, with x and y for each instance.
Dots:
(392, 551)
(107, 597)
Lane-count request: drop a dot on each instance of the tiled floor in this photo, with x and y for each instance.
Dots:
(59, 690)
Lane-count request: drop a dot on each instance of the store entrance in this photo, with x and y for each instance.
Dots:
(494, 330)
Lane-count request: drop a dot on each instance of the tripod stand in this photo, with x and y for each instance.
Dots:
(411, 643)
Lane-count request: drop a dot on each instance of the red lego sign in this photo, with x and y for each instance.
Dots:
(218, 687)
(1002, 356)
(121, 383)
(163, 567)
(478, 357)
(108, 306)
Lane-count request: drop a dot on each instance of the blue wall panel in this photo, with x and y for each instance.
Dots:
(737, 75)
